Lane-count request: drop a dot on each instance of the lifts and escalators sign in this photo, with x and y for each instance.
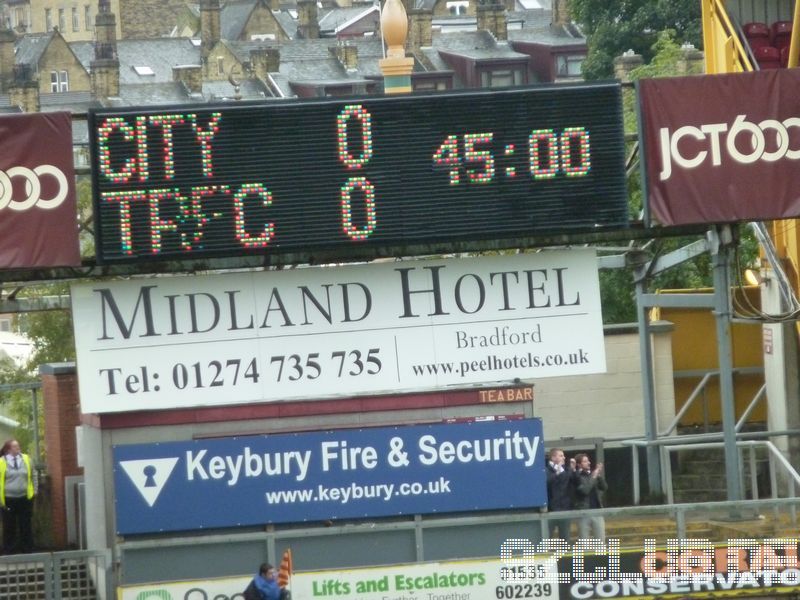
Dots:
(317, 476)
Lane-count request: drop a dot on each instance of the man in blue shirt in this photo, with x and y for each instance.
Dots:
(265, 584)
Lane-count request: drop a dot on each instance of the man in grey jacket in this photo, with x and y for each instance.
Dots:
(589, 488)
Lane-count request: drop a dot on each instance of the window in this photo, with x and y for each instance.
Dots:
(59, 81)
(48, 19)
(429, 85)
(457, 8)
(501, 78)
(62, 20)
(18, 19)
(87, 17)
(76, 25)
(144, 70)
(569, 66)
(5, 324)
(220, 65)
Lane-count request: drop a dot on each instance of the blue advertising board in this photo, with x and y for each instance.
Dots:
(317, 476)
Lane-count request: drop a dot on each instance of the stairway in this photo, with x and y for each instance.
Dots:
(631, 532)
(699, 475)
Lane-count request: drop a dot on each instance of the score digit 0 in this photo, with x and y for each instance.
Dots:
(352, 163)
(548, 153)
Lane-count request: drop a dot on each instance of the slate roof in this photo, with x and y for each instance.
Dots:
(312, 61)
(160, 54)
(76, 102)
(477, 45)
(536, 28)
(233, 18)
(335, 18)
(308, 60)
(222, 90)
(151, 94)
(29, 48)
(287, 23)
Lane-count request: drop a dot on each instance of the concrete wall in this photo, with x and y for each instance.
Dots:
(610, 404)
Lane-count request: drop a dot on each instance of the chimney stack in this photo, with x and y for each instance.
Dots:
(623, 65)
(24, 89)
(191, 76)
(420, 31)
(692, 61)
(561, 13)
(105, 66)
(307, 19)
(492, 18)
(264, 61)
(347, 54)
(210, 27)
(7, 39)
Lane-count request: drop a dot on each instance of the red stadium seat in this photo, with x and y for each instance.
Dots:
(768, 57)
(757, 34)
(785, 57)
(781, 34)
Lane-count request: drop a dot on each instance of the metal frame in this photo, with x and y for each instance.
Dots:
(86, 573)
(272, 538)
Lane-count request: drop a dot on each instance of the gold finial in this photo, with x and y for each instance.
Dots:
(394, 23)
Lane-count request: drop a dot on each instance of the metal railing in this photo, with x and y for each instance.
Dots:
(716, 521)
(78, 575)
(713, 440)
(723, 48)
(700, 388)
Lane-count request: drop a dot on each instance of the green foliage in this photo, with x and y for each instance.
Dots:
(615, 26)
(616, 286)
(52, 338)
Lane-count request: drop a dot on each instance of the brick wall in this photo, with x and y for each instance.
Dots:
(149, 18)
(61, 416)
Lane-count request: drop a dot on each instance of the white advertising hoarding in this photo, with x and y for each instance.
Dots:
(452, 580)
(321, 332)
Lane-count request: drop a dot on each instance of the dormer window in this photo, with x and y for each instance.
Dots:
(457, 7)
(502, 76)
(569, 65)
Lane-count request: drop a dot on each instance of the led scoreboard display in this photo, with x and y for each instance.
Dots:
(369, 176)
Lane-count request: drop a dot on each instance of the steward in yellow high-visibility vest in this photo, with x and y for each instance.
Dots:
(16, 498)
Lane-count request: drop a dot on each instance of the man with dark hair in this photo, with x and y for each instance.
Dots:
(264, 586)
(560, 488)
(589, 489)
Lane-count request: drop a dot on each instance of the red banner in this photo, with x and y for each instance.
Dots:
(38, 209)
(721, 148)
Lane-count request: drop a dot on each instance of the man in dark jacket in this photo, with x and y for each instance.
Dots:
(560, 489)
(589, 490)
(264, 586)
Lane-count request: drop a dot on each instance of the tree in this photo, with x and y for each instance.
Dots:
(615, 26)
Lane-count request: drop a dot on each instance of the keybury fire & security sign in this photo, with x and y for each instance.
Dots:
(309, 333)
(317, 476)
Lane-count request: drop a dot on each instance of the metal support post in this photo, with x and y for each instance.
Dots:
(35, 417)
(722, 316)
(648, 393)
